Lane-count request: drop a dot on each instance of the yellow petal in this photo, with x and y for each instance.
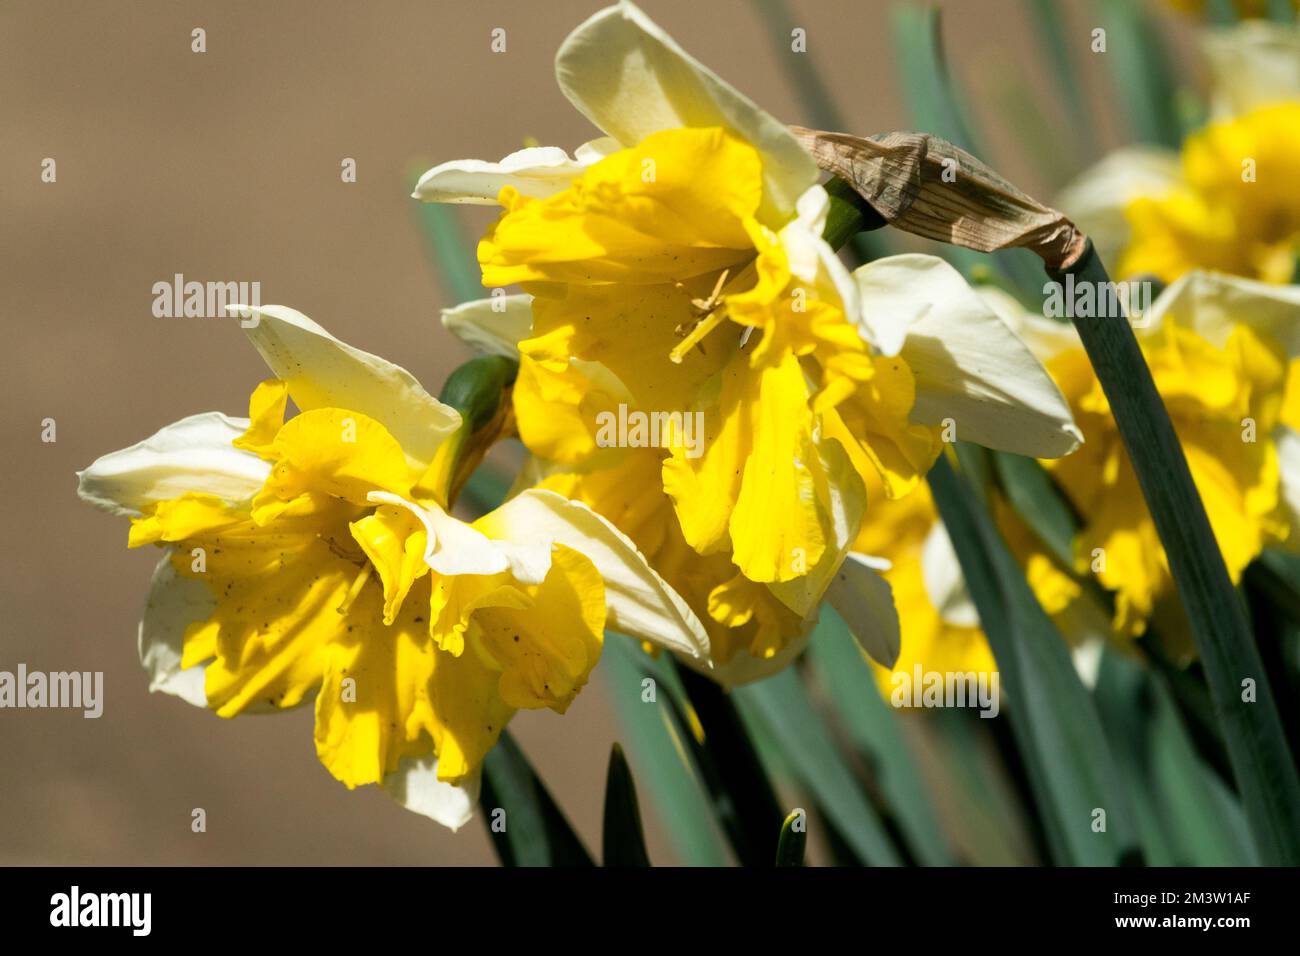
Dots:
(340, 453)
(265, 417)
(394, 540)
(546, 651)
(669, 208)
(176, 519)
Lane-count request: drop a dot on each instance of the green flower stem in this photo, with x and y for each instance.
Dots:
(849, 214)
(1253, 733)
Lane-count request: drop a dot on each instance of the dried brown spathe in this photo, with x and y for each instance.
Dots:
(902, 176)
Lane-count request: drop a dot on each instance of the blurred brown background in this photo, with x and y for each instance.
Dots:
(225, 166)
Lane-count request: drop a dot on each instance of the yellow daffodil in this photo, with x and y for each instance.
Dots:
(676, 268)
(969, 366)
(941, 630)
(1229, 201)
(1220, 349)
(315, 557)
(1236, 208)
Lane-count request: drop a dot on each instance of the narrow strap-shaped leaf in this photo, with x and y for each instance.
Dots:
(1256, 745)
(450, 251)
(1052, 716)
(734, 773)
(527, 827)
(794, 838)
(1281, 11)
(662, 746)
(782, 703)
(915, 31)
(936, 107)
(1038, 501)
(1221, 13)
(1063, 45)
(873, 727)
(991, 826)
(1140, 68)
(1186, 816)
(623, 842)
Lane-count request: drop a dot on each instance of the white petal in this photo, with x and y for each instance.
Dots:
(970, 366)
(810, 257)
(1087, 661)
(192, 455)
(174, 603)
(1288, 451)
(457, 548)
(641, 604)
(1045, 337)
(744, 668)
(944, 584)
(323, 372)
(597, 149)
(1253, 64)
(492, 326)
(866, 603)
(538, 171)
(1211, 304)
(631, 79)
(415, 785)
(1096, 200)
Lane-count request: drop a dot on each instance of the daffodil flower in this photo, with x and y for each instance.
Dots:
(975, 369)
(940, 626)
(315, 558)
(1229, 200)
(677, 267)
(1221, 350)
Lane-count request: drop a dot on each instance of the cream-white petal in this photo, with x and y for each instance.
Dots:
(538, 171)
(593, 151)
(630, 78)
(865, 601)
(1252, 64)
(811, 259)
(174, 603)
(415, 785)
(969, 364)
(1212, 304)
(1046, 338)
(1288, 452)
(640, 603)
(456, 548)
(492, 326)
(324, 372)
(744, 668)
(945, 585)
(194, 454)
(1097, 199)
